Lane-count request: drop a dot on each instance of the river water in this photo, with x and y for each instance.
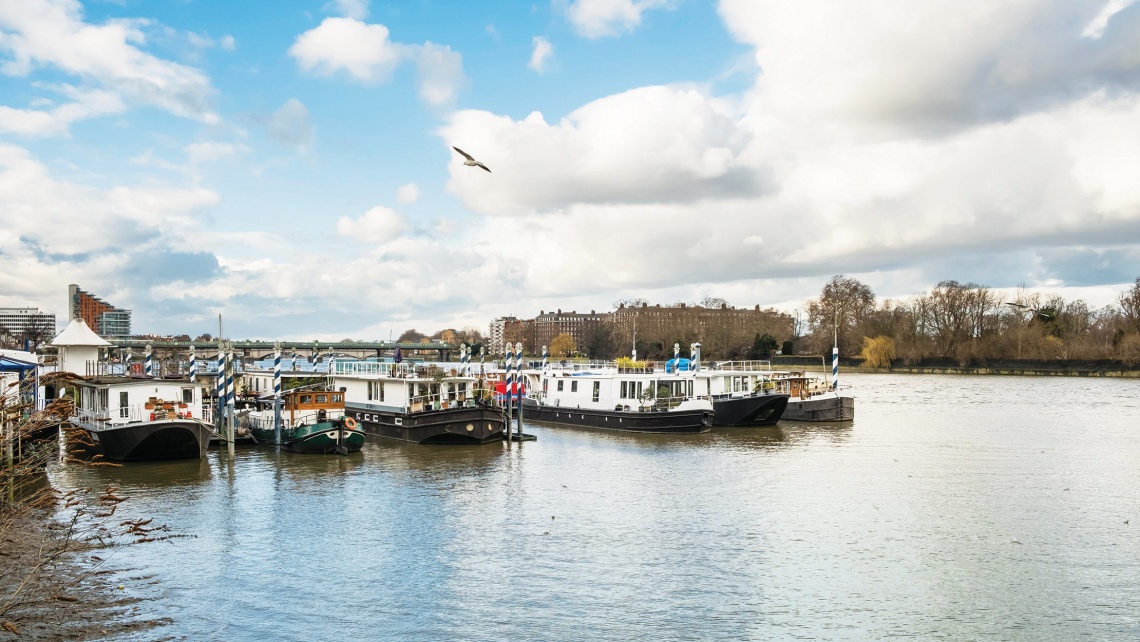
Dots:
(953, 507)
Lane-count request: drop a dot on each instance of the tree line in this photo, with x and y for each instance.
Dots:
(967, 322)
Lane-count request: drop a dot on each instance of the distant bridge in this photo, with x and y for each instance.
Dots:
(257, 350)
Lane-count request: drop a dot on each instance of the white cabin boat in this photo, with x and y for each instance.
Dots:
(142, 418)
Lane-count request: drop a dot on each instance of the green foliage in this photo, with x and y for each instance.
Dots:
(788, 348)
(762, 346)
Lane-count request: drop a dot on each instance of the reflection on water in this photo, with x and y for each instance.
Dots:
(953, 507)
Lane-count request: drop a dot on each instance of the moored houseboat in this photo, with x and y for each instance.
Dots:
(630, 398)
(418, 404)
(142, 418)
(741, 393)
(812, 399)
(311, 421)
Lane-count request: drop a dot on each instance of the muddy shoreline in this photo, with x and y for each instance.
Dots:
(56, 588)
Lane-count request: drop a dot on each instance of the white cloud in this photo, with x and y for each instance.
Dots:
(653, 144)
(62, 218)
(290, 125)
(377, 225)
(45, 33)
(931, 67)
(409, 193)
(361, 50)
(228, 43)
(542, 53)
(355, 9)
(208, 152)
(598, 18)
(441, 74)
(57, 121)
(1096, 27)
(364, 52)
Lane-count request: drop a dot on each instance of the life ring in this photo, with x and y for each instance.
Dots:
(350, 423)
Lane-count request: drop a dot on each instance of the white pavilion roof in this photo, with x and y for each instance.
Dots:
(78, 334)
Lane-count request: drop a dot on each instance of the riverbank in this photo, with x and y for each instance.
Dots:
(54, 587)
(1011, 367)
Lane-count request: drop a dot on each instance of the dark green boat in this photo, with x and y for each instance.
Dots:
(312, 421)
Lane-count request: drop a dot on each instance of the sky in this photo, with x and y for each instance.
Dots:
(289, 165)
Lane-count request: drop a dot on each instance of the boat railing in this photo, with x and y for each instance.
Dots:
(651, 404)
(742, 366)
(134, 413)
(451, 399)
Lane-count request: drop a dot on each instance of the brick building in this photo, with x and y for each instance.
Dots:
(102, 317)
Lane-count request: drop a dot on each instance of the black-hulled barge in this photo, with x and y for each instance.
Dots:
(142, 418)
(419, 404)
(607, 396)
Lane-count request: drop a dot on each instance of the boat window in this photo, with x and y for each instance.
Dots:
(124, 406)
(573, 386)
(306, 399)
(559, 385)
(597, 389)
(187, 395)
(639, 390)
(380, 385)
(624, 389)
(322, 398)
(336, 398)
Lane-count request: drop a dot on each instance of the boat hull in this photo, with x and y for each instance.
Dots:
(323, 438)
(678, 421)
(152, 440)
(754, 410)
(466, 425)
(829, 407)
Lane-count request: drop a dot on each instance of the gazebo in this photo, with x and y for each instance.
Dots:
(78, 348)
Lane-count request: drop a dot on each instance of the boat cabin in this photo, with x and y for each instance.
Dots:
(404, 388)
(113, 401)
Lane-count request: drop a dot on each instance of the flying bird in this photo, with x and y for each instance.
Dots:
(470, 162)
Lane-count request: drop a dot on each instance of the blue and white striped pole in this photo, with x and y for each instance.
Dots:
(482, 357)
(193, 365)
(463, 359)
(509, 379)
(519, 377)
(544, 358)
(676, 358)
(519, 385)
(835, 355)
(695, 356)
(277, 393)
(127, 363)
(149, 360)
(294, 366)
(220, 393)
(229, 377)
(277, 371)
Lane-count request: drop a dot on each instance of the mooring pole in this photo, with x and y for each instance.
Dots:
(508, 388)
(518, 383)
(277, 393)
(231, 406)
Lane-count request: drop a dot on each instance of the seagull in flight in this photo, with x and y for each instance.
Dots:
(470, 162)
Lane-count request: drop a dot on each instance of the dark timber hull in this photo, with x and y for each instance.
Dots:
(153, 440)
(755, 410)
(822, 408)
(470, 425)
(678, 421)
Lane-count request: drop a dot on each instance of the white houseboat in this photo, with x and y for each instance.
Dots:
(141, 418)
(615, 397)
(420, 404)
